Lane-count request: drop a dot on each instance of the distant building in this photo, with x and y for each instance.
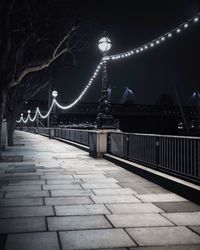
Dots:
(122, 95)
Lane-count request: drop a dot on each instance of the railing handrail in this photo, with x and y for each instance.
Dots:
(158, 135)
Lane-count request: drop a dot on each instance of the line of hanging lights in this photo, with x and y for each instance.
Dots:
(179, 29)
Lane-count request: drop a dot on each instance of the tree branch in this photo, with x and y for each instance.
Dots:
(46, 63)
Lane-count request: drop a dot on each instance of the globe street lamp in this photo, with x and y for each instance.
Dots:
(104, 118)
(54, 95)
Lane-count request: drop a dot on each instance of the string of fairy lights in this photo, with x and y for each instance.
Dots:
(141, 49)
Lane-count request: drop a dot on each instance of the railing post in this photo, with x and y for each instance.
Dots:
(51, 133)
(98, 142)
(157, 152)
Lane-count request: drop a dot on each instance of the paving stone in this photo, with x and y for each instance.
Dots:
(95, 239)
(33, 241)
(71, 192)
(151, 190)
(60, 187)
(21, 202)
(22, 225)
(180, 247)
(67, 200)
(77, 222)
(196, 229)
(100, 185)
(58, 172)
(21, 188)
(57, 177)
(183, 219)
(182, 206)
(28, 182)
(161, 236)
(81, 210)
(104, 180)
(133, 208)
(90, 171)
(63, 182)
(138, 220)
(89, 176)
(114, 191)
(115, 199)
(8, 212)
(26, 194)
(22, 177)
(160, 197)
(1, 194)
(138, 184)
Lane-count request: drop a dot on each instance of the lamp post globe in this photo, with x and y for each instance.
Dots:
(104, 44)
(29, 111)
(54, 94)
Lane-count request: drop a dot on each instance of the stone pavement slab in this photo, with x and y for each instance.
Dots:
(100, 185)
(63, 182)
(81, 210)
(21, 188)
(183, 219)
(178, 207)
(95, 239)
(70, 192)
(27, 182)
(20, 225)
(195, 229)
(89, 176)
(102, 180)
(57, 177)
(8, 212)
(60, 187)
(133, 208)
(67, 200)
(160, 236)
(33, 241)
(177, 247)
(77, 222)
(25, 194)
(113, 191)
(21, 202)
(160, 197)
(115, 199)
(138, 220)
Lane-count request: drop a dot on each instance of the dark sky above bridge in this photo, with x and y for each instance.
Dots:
(130, 24)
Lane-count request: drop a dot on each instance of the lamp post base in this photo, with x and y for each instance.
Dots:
(107, 122)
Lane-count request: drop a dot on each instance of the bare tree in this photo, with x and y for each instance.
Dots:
(33, 35)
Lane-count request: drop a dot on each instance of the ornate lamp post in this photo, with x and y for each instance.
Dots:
(104, 118)
(54, 94)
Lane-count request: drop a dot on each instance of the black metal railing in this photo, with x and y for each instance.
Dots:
(175, 154)
(75, 135)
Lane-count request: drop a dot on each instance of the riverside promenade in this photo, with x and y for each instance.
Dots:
(59, 198)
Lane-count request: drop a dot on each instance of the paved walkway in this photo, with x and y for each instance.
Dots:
(60, 198)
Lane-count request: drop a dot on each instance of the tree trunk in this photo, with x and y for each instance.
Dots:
(11, 124)
(3, 94)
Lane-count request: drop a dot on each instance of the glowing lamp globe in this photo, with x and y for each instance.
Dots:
(22, 114)
(54, 94)
(104, 44)
(29, 111)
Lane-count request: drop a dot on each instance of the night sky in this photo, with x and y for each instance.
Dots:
(130, 24)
